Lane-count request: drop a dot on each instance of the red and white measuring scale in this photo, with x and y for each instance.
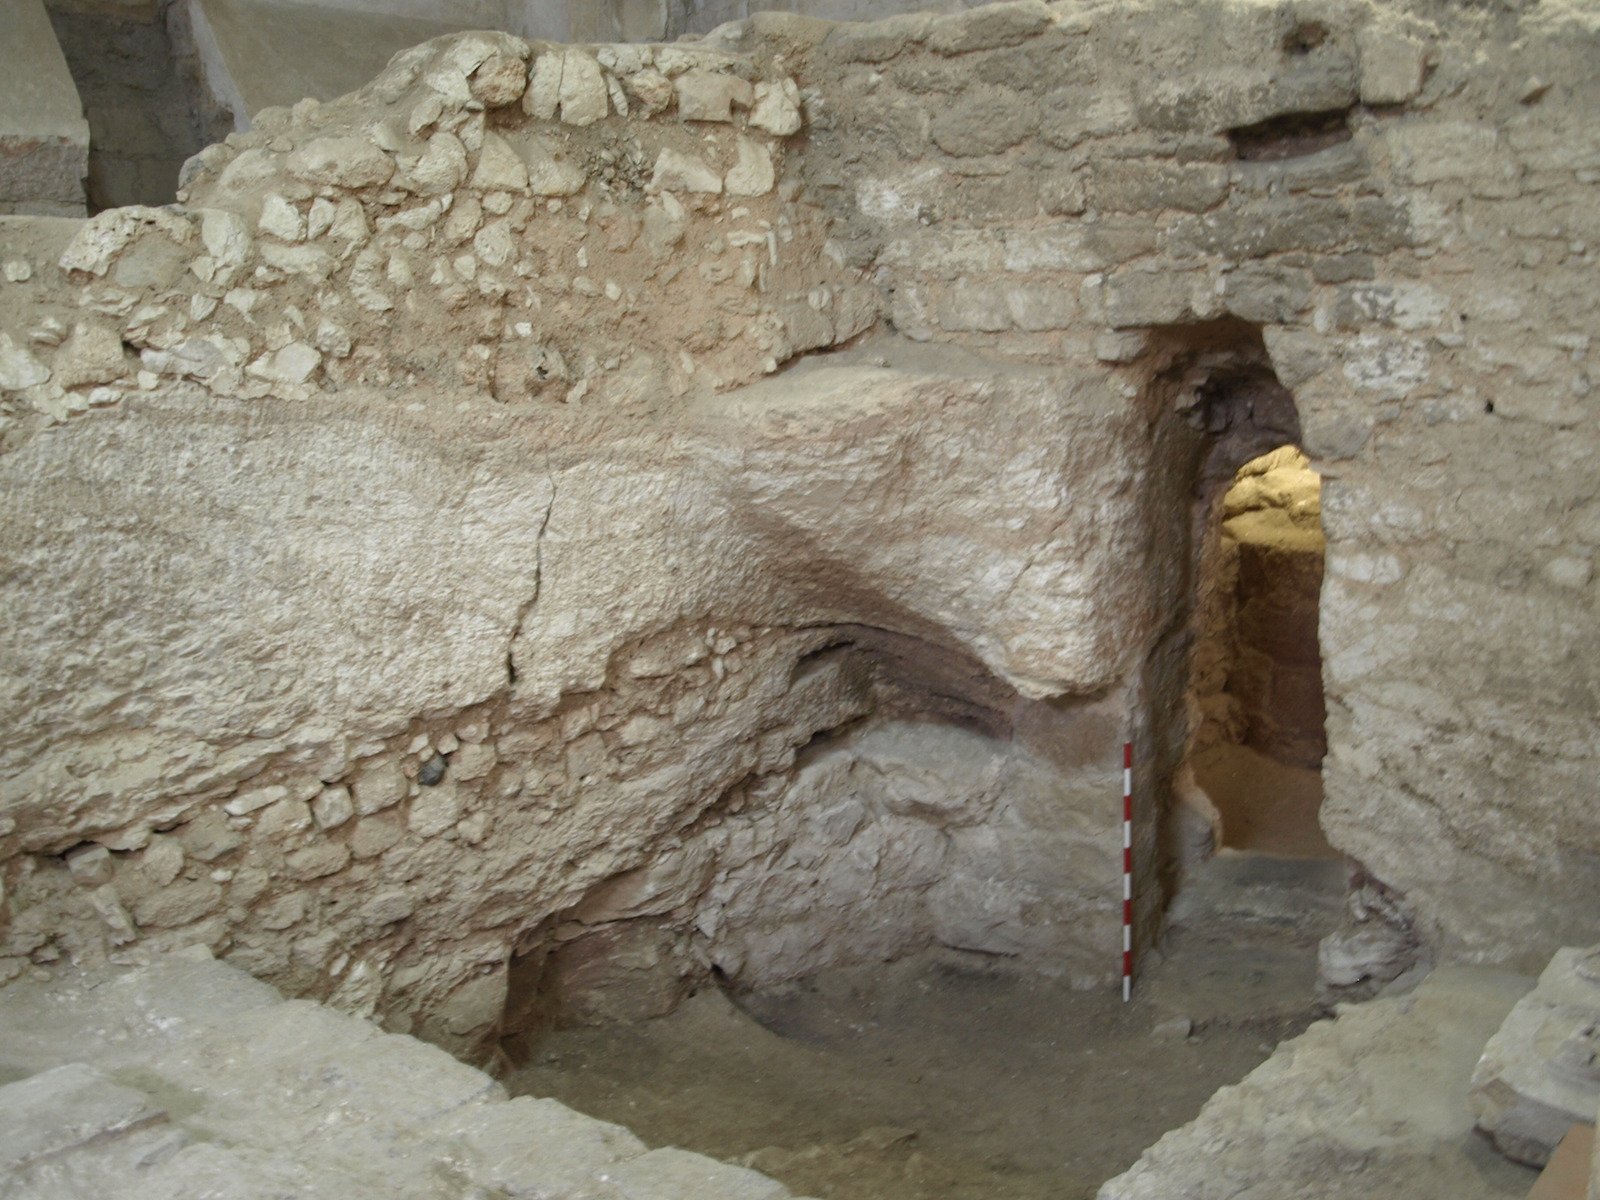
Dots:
(1127, 871)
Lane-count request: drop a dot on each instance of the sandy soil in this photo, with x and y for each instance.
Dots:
(1267, 806)
(948, 1076)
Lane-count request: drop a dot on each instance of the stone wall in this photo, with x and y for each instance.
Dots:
(44, 140)
(1055, 183)
(451, 584)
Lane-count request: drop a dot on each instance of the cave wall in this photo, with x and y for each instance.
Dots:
(468, 423)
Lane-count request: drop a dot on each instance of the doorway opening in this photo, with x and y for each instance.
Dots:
(1258, 707)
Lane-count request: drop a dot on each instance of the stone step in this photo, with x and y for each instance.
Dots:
(187, 1078)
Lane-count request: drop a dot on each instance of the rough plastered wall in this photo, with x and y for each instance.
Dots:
(1402, 201)
(452, 590)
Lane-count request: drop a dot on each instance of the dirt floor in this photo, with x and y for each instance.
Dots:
(948, 1076)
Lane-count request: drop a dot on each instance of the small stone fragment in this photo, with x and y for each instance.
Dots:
(281, 219)
(753, 174)
(679, 172)
(777, 107)
(652, 89)
(18, 368)
(711, 96)
(90, 866)
(584, 99)
(432, 771)
(332, 807)
(351, 162)
(292, 364)
(378, 788)
(93, 354)
(543, 97)
(499, 80)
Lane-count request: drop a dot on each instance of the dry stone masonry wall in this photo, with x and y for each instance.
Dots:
(456, 587)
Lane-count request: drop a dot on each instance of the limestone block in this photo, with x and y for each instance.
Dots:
(179, 903)
(91, 866)
(969, 307)
(536, 1147)
(583, 95)
(1150, 186)
(543, 96)
(251, 800)
(347, 161)
(44, 140)
(64, 1108)
(435, 810)
(93, 354)
(652, 89)
(550, 174)
(499, 80)
(314, 862)
(752, 174)
(1365, 1105)
(472, 761)
(1540, 1073)
(441, 168)
(711, 95)
(1392, 64)
(499, 167)
(777, 107)
(103, 238)
(989, 27)
(982, 124)
(878, 41)
(378, 788)
(1148, 298)
(19, 367)
(675, 171)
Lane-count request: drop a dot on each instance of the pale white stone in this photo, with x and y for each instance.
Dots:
(226, 237)
(18, 368)
(543, 97)
(332, 807)
(652, 89)
(295, 363)
(281, 219)
(549, 175)
(349, 161)
(584, 99)
(441, 168)
(499, 168)
(777, 107)
(752, 174)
